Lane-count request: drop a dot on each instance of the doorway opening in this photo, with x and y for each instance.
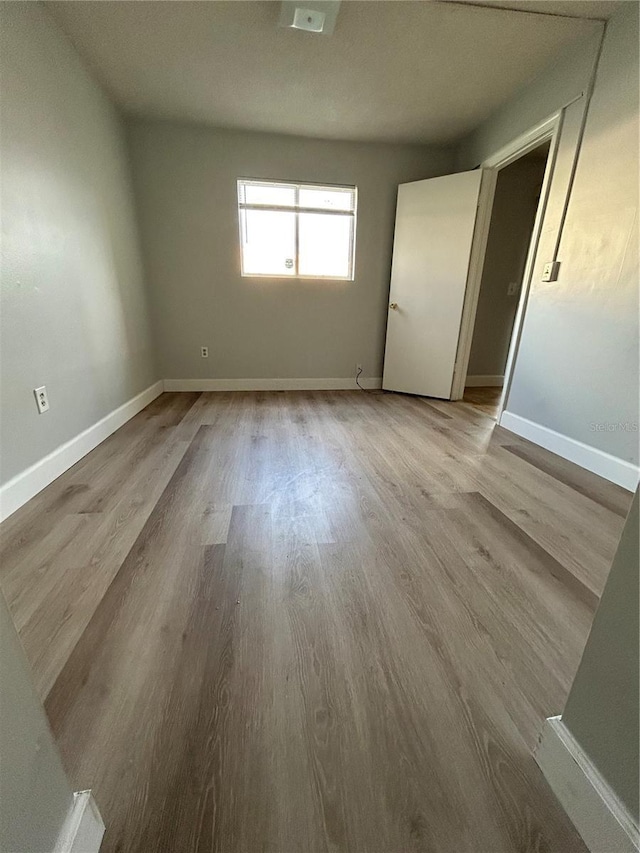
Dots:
(515, 205)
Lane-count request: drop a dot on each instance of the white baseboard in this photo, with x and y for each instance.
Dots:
(83, 828)
(596, 812)
(270, 384)
(28, 483)
(481, 381)
(612, 468)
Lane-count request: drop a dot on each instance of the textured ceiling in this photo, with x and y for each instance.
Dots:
(392, 71)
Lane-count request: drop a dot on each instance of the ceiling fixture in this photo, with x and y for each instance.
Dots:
(316, 16)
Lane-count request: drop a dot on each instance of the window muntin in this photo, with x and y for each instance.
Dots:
(296, 230)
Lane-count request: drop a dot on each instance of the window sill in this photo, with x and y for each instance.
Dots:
(296, 277)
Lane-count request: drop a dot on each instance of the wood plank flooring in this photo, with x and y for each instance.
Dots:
(486, 399)
(312, 621)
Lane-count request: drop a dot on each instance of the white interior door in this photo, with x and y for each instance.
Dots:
(435, 221)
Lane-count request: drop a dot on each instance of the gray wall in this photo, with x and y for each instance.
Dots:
(558, 84)
(577, 366)
(602, 710)
(514, 210)
(35, 795)
(74, 313)
(185, 181)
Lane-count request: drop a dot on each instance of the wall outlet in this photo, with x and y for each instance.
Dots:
(550, 271)
(512, 289)
(358, 369)
(42, 401)
(204, 352)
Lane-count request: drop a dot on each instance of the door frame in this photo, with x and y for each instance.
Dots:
(549, 129)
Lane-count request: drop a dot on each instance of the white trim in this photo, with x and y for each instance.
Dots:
(83, 828)
(602, 820)
(526, 142)
(484, 381)
(271, 384)
(22, 487)
(610, 467)
(550, 128)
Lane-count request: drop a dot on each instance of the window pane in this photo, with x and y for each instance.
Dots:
(324, 245)
(268, 242)
(273, 195)
(331, 198)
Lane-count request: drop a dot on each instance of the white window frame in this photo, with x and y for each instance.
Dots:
(296, 209)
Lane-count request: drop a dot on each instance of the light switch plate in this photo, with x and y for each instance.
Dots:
(550, 271)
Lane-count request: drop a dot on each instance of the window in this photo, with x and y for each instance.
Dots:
(296, 230)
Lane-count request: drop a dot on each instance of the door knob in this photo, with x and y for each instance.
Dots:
(393, 306)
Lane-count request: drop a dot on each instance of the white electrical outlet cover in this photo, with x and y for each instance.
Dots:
(42, 401)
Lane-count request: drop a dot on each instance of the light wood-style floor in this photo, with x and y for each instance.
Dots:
(312, 621)
(486, 400)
